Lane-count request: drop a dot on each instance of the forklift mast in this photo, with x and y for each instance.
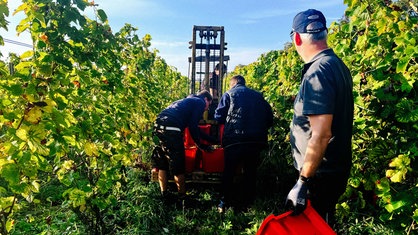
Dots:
(208, 46)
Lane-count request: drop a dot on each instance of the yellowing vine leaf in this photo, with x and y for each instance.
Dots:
(4, 161)
(34, 115)
(401, 161)
(50, 104)
(68, 164)
(401, 165)
(22, 133)
(61, 97)
(396, 176)
(78, 197)
(91, 149)
(26, 55)
(35, 146)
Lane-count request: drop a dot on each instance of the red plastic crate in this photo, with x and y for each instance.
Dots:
(188, 140)
(213, 161)
(190, 154)
(307, 223)
(205, 129)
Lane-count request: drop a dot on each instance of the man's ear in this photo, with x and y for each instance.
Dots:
(298, 40)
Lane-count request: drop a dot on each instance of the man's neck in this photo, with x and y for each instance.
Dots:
(312, 50)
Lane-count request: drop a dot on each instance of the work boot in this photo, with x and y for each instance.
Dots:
(182, 200)
(167, 197)
(186, 201)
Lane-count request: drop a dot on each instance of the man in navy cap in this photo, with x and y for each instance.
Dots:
(322, 124)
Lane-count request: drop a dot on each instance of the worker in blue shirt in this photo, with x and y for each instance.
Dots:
(322, 124)
(169, 154)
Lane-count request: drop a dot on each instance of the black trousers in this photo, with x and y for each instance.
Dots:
(241, 163)
(169, 154)
(325, 191)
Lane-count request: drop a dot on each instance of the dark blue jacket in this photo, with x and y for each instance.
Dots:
(184, 113)
(246, 114)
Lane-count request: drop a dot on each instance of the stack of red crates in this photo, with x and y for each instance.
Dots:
(211, 161)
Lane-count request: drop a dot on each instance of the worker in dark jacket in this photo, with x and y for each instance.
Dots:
(247, 117)
(169, 127)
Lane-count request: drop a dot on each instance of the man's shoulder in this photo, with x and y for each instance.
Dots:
(323, 61)
(328, 56)
(192, 100)
(254, 92)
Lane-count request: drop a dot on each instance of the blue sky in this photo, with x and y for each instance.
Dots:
(251, 27)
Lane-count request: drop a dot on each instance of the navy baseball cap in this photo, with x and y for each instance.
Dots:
(304, 18)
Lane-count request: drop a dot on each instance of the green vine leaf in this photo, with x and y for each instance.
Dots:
(102, 15)
(406, 111)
